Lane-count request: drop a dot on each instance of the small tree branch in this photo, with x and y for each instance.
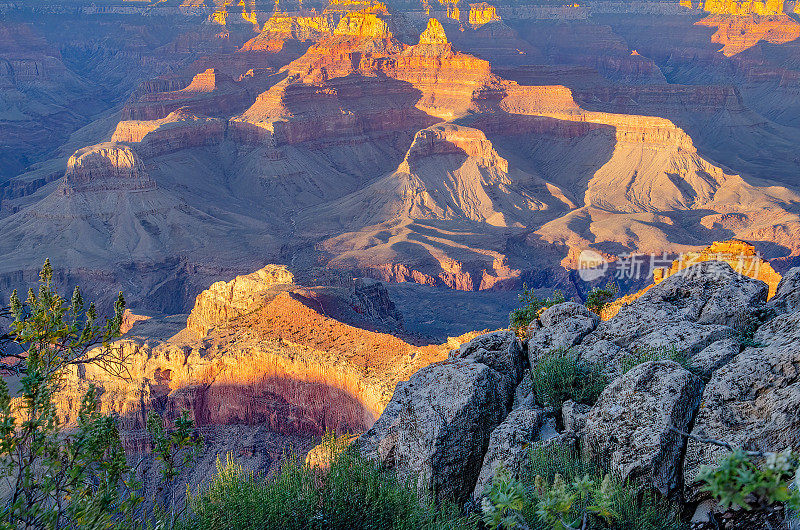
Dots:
(719, 443)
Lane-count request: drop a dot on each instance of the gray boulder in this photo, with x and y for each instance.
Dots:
(437, 426)
(688, 311)
(380, 441)
(523, 394)
(573, 416)
(499, 350)
(787, 295)
(630, 425)
(753, 402)
(710, 292)
(560, 326)
(508, 446)
(716, 355)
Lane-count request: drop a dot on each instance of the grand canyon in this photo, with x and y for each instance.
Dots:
(321, 213)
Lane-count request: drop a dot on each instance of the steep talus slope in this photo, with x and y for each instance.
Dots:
(449, 172)
(107, 209)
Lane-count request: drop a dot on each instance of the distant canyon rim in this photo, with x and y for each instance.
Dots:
(160, 147)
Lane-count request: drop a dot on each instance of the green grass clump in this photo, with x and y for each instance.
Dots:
(354, 493)
(560, 375)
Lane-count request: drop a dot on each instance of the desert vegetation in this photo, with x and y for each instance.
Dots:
(560, 376)
(563, 490)
(532, 305)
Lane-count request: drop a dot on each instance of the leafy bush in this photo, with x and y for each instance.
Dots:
(560, 375)
(599, 297)
(738, 480)
(563, 491)
(504, 502)
(51, 478)
(532, 305)
(354, 493)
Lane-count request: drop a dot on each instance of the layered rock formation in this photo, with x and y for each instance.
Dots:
(261, 357)
(226, 301)
(330, 144)
(179, 130)
(263, 332)
(106, 167)
(210, 93)
(737, 34)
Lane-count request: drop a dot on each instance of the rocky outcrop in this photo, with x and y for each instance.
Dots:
(260, 349)
(688, 311)
(501, 351)
(639, 423)
(787, 293)
(104, 167)
(752, 401)
(482, 13)
(716, 355)
(741, 256)
(436, 428)
(366, 24)
(748, 7)
(561, 326)
(180, 130)
(447, 412)
(282, 30)
(633, 423)
(210, 93)
(225, 301)
(509, 446)
(739, 33)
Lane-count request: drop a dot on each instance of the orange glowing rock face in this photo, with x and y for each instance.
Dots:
(482, 13)
(746, 7)
(283, 27)
(737, 34)
(433, 34)
(741, 256)
(258, 350)
(226, 301)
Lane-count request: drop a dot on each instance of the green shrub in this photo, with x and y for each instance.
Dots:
(235, 498)
(750, 481)
(354, 493)
(560, 375)
(519, 319)
(598, 298)
(51, 477)
(563, 491)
